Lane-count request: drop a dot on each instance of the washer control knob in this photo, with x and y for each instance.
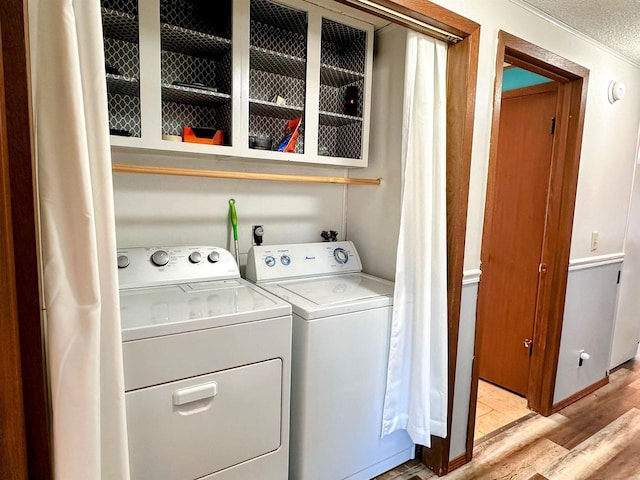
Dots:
(213, 257)
(341, 255)
(285, 260)
(123, 261)
(270, 261)
(195, 257)
(160, 258)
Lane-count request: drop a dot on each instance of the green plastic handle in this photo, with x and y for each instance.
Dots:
(233, 216)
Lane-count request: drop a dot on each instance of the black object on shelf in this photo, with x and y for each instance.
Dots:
(262, 142)
(120, 133)
(111, 69)
(199, 86)
(329, 236)
(351, 101)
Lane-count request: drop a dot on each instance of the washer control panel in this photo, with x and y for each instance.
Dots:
(275, 262)
(149, 266)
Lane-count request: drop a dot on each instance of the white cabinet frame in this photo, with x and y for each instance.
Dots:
(151, 94)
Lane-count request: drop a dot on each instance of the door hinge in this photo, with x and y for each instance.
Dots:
(553, 125)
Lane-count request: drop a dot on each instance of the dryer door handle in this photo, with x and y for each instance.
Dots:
(193, 394)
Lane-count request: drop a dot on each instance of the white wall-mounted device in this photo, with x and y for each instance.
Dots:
(616, 91)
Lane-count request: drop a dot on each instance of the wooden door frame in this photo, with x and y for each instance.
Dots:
(572, 93)
(27, 357)
(13, 457)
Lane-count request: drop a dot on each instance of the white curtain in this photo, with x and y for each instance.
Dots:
(417, 376)
(78, 241)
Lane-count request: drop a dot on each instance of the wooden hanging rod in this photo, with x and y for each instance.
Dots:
(189, 172)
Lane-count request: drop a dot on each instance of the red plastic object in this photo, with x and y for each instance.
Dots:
(206, 136)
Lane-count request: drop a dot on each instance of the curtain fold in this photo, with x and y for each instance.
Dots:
(417, 375)
(84, 351)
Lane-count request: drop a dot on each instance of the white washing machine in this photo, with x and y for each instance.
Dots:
(207, 360)
(341, 326)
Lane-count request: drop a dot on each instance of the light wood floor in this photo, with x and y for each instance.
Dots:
(596, 438)
(497, 408)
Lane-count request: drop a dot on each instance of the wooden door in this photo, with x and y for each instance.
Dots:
(517, 201)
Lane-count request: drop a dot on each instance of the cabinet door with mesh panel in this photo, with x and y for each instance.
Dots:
(344, 85)
(122, 66)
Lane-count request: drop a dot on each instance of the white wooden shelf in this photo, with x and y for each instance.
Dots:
(193, 96)
(278, 63)
(270, 109)
(338, 77)
(190, 42)
(333, 119)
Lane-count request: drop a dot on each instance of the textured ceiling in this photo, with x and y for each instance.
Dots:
(614, 23)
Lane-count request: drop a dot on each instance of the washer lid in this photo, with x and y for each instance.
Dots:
(333, 294)
(155, 311)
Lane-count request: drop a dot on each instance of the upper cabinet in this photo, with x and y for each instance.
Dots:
(279, 80)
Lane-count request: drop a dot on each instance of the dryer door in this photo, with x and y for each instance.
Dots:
(195, 427)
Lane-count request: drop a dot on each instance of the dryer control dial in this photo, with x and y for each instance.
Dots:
(341, 255)
(214, 257)
(123, 261)
(160, 258)
(195, 257)
(270, 261)
(285, 260)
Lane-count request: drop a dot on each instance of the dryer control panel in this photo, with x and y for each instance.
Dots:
(150, 266)
(277, 262)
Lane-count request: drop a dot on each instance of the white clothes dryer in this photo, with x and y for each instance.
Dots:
(341, 327)
(207, 367)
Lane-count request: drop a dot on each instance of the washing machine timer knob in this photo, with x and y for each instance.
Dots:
(341, 255)
(285, 260)
(123, 261)
(160, 258)
(214, 257)
(270, 261)
(195, 257)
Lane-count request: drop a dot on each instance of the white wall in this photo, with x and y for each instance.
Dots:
(608, 147)
(168, 210)
(373, 214)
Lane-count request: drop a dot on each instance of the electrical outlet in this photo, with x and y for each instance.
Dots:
(594, 241)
